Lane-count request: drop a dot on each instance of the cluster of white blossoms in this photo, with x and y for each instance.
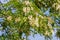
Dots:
(54, 5)
(48, 33)
(50, 26)
(36, 22)
(52, 31)
(17, 19)
(58, 1)
(33, 21)
(27, 2)
(30, 17)
(26, 9)
(58, 7)
(9, 18)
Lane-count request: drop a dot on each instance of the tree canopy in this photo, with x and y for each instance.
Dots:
(19, 16)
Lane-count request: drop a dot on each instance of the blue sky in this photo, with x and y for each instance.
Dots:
(4, 1)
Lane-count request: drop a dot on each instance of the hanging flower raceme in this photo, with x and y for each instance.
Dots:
(58, 7)
(9, 18)
(26, 9)
(31, 20)
(26, 2)
(36, 22)
(17, 19)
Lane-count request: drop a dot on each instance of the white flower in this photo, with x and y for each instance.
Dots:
(54, 5)
(30, 17)
(31, 20)
(17, 19)
(36, 22)
(9, 18)
(52, 31)
(27, 2)
(58, 1)
(47, 33)
(49, 25)
(36, 13)
(26, 9)
(58, 7)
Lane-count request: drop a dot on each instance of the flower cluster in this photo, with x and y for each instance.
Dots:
(36, 22)
(33, 21)
(9, 18)
(26, 9)
(27, 2)
(58, 7)
(47, 33)
(17, 19)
